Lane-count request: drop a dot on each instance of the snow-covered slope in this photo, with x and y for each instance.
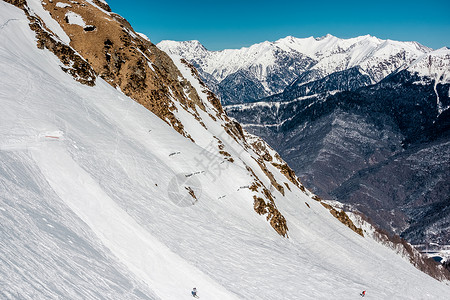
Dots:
(277, 64)
(435, 64)
(102, 199)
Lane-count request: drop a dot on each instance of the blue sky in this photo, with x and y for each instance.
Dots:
(238, 23)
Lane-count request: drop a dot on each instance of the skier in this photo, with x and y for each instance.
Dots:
(363, 293)
(194, 293)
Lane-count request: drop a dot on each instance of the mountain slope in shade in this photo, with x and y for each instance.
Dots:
(267, 68)
(102, 197)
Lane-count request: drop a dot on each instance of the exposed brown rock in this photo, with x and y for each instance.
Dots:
(128, 61)
(234, 129)
(215, 102)
(254, 187)
(260, 147)
(288, 172)
(340, 215)
(225, 153)
(192, 193)
(269, 174)
(317, 198)
(343, 217)
(276, 219)
(102, 5)
(287, 185)
(274, 216)
(212, 98)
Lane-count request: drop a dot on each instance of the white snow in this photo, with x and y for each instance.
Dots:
(36, 7)
(75, 19)
(143, 36)
(435, 64)
(109, 169)
(375, 56)
(62, 5)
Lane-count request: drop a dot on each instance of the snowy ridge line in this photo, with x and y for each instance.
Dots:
(255, 67)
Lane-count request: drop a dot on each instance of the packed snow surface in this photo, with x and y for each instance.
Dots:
(87, 206)
(75, 19)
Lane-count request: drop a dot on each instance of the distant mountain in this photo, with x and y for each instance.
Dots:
(382, 148)
(264, 69)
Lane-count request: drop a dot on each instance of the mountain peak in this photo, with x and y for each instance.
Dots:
(327, 36)
(261, 64)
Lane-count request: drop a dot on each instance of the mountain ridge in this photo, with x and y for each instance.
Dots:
(277, 64)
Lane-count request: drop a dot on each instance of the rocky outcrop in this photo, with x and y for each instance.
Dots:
(341, 215)
(276, 219)
(74, 64)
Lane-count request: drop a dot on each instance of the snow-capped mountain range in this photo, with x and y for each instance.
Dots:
(416, 75)
(122, 177)
(269, 67)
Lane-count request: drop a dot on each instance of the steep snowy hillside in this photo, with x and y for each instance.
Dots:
(267, 68)
(122, 178)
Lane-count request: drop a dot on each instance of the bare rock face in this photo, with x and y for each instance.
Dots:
(18, 3)
(124, 59)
